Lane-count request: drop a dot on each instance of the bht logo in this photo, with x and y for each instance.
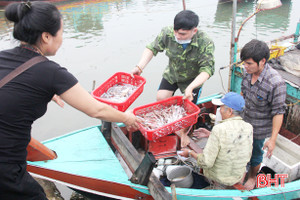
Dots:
(263, 180)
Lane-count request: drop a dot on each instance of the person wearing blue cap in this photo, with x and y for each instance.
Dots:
(229, 145)
(232, 100)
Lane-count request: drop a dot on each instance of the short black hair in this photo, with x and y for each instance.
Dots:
(31, 19)
(186, 20)
(255, 49)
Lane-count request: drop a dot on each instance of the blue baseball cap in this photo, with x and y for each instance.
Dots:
(232, 100)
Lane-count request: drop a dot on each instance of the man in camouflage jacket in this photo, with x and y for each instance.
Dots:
(191, 59)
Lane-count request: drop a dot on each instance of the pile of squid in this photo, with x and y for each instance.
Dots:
(119, 92)
(158, 118)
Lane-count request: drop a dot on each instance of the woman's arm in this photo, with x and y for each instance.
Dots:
(80, 99)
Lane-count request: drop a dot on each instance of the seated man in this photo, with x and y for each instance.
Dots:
(229, 145)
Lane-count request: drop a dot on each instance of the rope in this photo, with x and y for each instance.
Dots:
(222, 83)
(292, 104)
(221, 68)
(294, 137)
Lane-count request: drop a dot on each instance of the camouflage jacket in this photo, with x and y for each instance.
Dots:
(227, 151)
(184, 65)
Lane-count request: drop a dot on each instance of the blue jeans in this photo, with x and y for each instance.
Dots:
(257, 152)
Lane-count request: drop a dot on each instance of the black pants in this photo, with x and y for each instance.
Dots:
(165, 85)
(17, 184)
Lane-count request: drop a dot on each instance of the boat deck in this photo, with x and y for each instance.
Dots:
(99, 163)
(285, 71)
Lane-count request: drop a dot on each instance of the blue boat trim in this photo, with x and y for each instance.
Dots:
(209, 98)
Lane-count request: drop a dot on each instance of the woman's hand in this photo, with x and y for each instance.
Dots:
(131, 121)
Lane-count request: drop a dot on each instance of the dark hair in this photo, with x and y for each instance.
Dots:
(255, 49)
(32, 19)
(186, 20)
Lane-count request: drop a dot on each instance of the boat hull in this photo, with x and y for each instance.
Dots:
(97, 187)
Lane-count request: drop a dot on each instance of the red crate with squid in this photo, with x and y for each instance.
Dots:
(120, 79)
(154, 124)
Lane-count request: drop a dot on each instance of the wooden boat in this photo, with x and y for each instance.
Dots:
(87, 162)
(103, 161)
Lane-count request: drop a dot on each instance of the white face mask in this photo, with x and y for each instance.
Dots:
(183, 41)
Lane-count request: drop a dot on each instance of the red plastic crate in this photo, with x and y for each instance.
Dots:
(164, 146)
(117, 78)
(191, 118)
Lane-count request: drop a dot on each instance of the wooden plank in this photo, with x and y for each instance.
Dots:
(133, 160)
(192, 144)
(142, 173)
(173, 189)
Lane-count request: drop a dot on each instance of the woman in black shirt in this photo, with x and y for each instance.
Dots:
(39, 27)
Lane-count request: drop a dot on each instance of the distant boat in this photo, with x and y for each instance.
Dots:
(4, 3)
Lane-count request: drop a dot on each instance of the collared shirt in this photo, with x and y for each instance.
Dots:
(227, 151)
(184, 64)
(263, 100)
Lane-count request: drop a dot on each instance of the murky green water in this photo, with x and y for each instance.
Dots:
(104, 37)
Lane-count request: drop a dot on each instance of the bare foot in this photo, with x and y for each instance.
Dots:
(185, 140)
(243, 179)
(250, 183)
